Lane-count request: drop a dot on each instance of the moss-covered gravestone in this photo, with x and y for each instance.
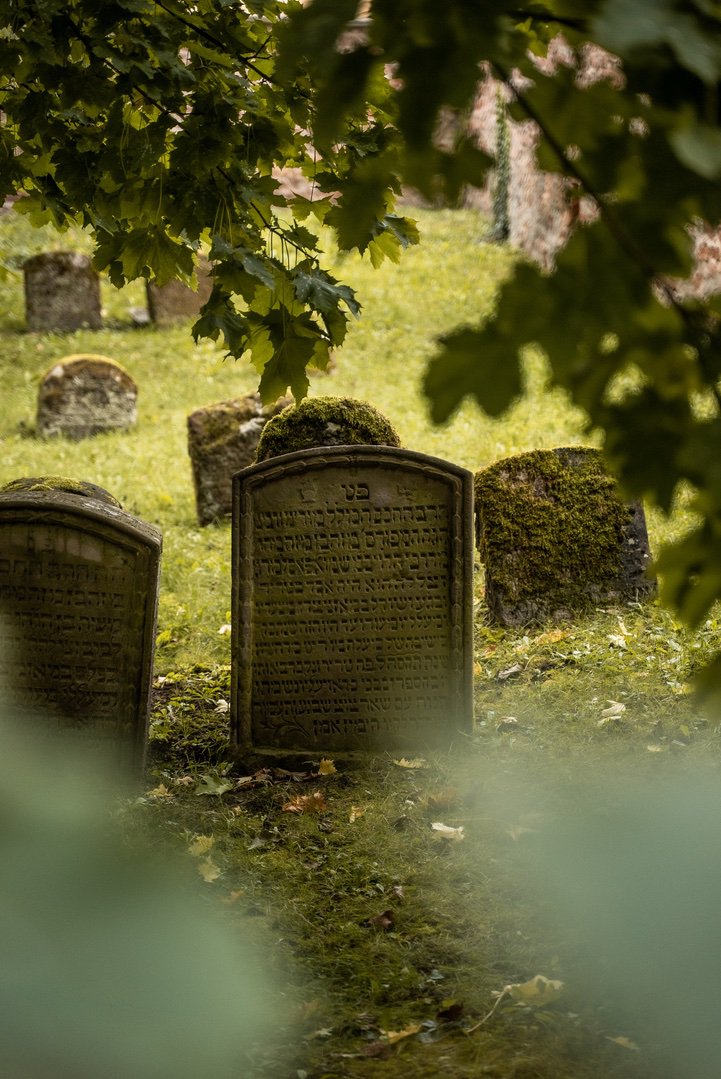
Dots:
(325, 421)
(78, 600)
(556, 537)
(222, 439)
(176, 301)
(85, 395)
(62, 292)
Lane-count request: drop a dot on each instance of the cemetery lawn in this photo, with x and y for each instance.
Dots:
(392, 941)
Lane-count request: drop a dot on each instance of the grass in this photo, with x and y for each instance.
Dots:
(378, 922)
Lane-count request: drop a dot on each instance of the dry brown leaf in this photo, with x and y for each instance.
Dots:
(307, 803)
(160, 791)
(536, 991)
(326, 768)
(201, 845)
(233, 897)
(624, 1042)
(355, 813)
(415, 762)
(394, 1036)
(447, 832)
(208, 870)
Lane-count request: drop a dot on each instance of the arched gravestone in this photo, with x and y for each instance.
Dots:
(352, 600)
(85, 395)
(175, 301)
(62, 292)
(222, 439)
(78, 601)
(556, 537)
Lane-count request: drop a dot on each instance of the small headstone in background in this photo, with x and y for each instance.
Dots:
(84, 395)
(176, 301)
(325, 421)
(222, 439)
(62, 292)
(352, 601)
(78, 602)
(556, 537)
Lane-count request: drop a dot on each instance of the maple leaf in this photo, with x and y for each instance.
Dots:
(307, 803)
(326, 768)
(208, 870)
(355, 813)
(394, 1036)
(201, 845)
(447, 832)
(161, 791)
(416, 762)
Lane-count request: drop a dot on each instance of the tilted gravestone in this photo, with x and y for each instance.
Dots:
(85, 395)
(78, 601)
(62, 292)
(556, 537)
(222, 439)
(175, 301)
(352, 600)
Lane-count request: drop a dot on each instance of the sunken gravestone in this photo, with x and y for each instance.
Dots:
(175, 301)
(222, 439)
(78, 601)
(352, 599)
(62, 292)
(556, 537)
(84, 395)
(325, 421)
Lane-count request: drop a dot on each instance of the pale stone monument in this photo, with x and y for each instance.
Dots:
(84, 395)
(62, 292)
(176, 301)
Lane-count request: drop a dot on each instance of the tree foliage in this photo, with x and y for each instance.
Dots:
(158, 124)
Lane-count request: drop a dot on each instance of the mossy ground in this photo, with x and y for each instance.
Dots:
(375, 922)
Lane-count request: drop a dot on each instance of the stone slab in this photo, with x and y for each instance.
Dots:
(352, 601)
(78, 602)
(85, 395)
(62, 293)
(176, 301)
(556, 537)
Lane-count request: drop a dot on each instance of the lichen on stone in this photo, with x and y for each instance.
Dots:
(325, 421)
(46, 484)
(556, 536)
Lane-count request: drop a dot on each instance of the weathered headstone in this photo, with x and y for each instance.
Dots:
(352, 601)
(325, 421)
(85, 395)
(78, 601)
(222, 439)
(176, 301)
(62, 292)
(556, 537)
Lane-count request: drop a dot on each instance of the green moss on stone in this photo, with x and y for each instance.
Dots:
(551, 527)
(61, 483)
(325, 421)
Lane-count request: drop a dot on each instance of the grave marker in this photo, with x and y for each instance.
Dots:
(176, 301)
(352, 600)
(85, 395)
(62, 292)
(222, 439)
(556, 537)
(78, 601)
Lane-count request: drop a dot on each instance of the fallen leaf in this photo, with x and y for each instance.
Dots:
(508, 723)
(307, 803)
(208, 870)
(233, 897)
(355, 813)
(201, 845)
(213, 785)
(398, 892)
(394, 1036)
(447, 832)
(160, 791)
(416, 762)
(656, 749)
(509, 672)
(184, 781)
(222, 707)
(326, 768)
(551, 636)
(536, 991)
(384, 920)
(624, 1042)
(225, 629)
(615, 708)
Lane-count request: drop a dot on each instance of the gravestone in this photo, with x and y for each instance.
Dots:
(352, 601)
(78, 601)
(556, 537)
(62, 292)
(85, 395)
(222, 439)
(325, 421)
(176, 301)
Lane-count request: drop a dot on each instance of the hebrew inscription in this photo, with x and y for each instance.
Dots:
(352, 600)
(78, 592)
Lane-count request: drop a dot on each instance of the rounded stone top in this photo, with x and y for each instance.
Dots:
(89, 363)
(47, 484)
(71, 259)
(325, 421)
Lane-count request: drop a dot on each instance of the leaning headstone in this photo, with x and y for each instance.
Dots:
(352, 601)
(85, 395)
(556, 537)
(325, 421)
(62, 292)
(222, 439)
(176, 301)
(78, 602)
